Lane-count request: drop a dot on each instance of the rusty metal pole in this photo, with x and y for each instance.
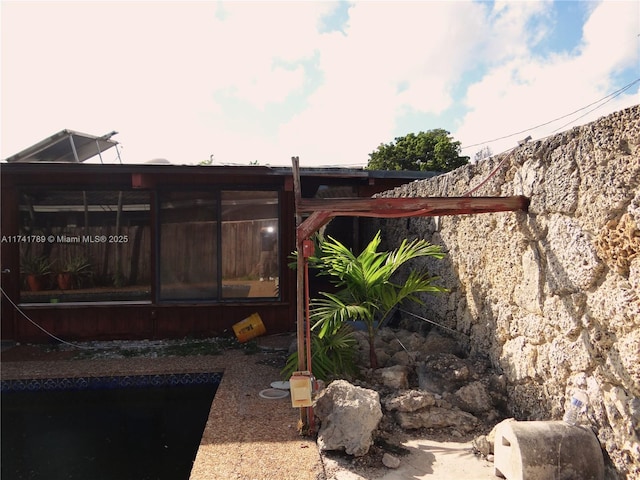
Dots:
(302, 364)
(300, 326)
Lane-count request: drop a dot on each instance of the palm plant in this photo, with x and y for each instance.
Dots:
(78, 265)
(367, 291)
(331, 355)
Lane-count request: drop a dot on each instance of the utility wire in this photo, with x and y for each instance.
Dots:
(612, 95)
(615, 94)
(430, 321)
(19, 310)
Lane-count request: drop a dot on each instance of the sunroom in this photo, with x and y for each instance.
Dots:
(126, 251)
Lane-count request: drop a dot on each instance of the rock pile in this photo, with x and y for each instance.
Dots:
(424, 383)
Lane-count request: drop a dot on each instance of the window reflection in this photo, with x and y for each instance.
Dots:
(84, 246)
(95, 246)
(250, 241)
(188, 246)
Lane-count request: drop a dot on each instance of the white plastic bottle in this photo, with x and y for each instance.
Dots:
(578, 403)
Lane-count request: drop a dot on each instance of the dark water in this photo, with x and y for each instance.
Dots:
(129, 433)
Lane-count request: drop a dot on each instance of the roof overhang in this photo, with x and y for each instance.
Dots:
(66, 146)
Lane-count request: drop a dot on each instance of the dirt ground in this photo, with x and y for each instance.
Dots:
(425, 459)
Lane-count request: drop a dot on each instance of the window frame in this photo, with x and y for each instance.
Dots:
(61, 300)
(217, 190)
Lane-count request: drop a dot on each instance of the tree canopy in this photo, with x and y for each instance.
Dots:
(433, 150)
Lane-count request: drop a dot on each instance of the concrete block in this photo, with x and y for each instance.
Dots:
(547, 451)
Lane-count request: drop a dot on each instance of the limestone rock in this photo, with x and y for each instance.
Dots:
(396, 376)
(567, 240)
(390, 461)
(518, 359)
(474, 398)
(410, 401)
(435, 343)
(383, 357)
(428, 381)
(528, 294)
(349, 415)
(443, 372)
(403, 358)
(481, 445)
(437, 417)
(619, 243)
(484, 444)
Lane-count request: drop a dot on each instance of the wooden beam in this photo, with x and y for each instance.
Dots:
(306, 414)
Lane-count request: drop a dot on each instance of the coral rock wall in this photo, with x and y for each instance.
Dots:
(552, 295)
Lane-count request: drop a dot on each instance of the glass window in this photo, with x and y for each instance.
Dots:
(84, 246)
(188, 246)
(250, 242)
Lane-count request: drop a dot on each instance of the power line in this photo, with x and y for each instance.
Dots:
(19, 310)
(612, 95)
(619, 92)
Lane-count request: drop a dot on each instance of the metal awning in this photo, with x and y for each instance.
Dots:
(66, 146)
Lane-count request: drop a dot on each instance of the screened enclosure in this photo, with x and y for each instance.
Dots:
(141, 251)
(211, 245)
(95, 245)
(84, 246)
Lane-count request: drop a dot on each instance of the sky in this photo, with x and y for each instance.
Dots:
(244, 82)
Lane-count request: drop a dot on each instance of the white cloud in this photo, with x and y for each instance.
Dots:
(259, 81)
(610, 36)
(528, 90)
(390, 57)
(511, 30)
(252, 37)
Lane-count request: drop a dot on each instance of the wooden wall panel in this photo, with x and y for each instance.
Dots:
(146, 321)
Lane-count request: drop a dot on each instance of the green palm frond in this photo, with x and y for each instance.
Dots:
(414, 249)
(329, 313)
(331, 356)
(367, 292)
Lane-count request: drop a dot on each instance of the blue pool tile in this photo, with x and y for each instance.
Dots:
(110, 382)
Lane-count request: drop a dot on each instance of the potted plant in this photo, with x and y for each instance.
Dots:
(72, 272)
(36, 269)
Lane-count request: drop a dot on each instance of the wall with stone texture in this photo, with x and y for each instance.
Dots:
(552, 295)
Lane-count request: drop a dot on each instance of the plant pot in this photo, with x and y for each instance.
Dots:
(65, 281)
(36, 282)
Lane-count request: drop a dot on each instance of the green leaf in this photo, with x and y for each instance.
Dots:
(366, 292)
(433, 150)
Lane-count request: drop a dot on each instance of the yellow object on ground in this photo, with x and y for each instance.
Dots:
(249, 328)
